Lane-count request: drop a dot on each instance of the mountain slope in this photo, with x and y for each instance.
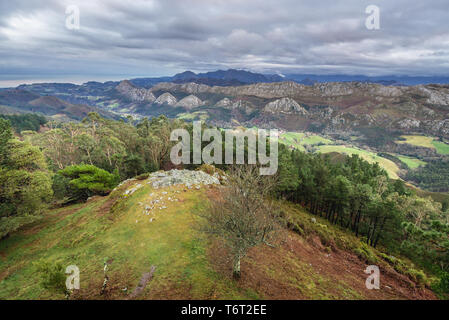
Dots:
(340, 106)
(25, 101)
(316, 261)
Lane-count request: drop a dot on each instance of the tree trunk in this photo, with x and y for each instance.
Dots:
(236, 271)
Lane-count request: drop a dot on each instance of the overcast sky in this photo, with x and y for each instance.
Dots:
(121, 39)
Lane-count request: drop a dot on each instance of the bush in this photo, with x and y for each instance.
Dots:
(364, 252)
(88, 180)
(52, 276)
(442, 286)
(60, 186)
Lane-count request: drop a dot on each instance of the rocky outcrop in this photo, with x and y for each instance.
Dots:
(166, 98)
(284, 105)
(188, 178)
(409, 123)
(140, 95)
(243, 106)
(438, 97)
(224, 103)
(190, 102)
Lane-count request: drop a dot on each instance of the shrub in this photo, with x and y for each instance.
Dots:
(88, 180)
(442, 286)
(52, 276)
(364, 252)
(60, 186)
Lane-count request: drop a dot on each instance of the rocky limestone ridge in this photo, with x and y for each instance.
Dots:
(284, 105)
(288, 89)
(188, 178)
(190, 102)
(322, 93)
(135, 94)
(166, 98)
(263, 90)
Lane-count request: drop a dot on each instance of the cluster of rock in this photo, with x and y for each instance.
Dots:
(132, 190)
(157, 204)
(188, 178)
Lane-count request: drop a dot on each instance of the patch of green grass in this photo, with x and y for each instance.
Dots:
(292, 139)
(442, 148)
(314, 140)
(412, 163)
(299, 140)
(197, 115)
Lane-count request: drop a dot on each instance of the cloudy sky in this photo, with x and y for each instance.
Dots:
(129, 38)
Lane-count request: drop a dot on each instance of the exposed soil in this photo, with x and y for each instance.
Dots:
(142, 283)
(339, 267)
(263, 265)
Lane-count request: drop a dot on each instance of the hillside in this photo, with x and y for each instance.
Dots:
(15, 101)
(145, 223)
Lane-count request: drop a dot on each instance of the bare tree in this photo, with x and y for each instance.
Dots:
(244, 216)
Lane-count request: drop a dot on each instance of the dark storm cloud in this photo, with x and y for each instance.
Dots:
(163, 37)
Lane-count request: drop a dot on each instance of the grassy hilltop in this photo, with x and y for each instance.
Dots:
(316, 260)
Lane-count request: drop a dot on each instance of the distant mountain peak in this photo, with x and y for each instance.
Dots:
(225, 77)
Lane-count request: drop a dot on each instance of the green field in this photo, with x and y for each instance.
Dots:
(412, 163)
(198, 115)
(298, 140)
(442, 148)
(419, 141)
(426, 142)
(388, 165)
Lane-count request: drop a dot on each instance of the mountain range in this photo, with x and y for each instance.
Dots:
(249, 99)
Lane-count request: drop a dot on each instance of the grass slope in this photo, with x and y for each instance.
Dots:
(389, 166)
